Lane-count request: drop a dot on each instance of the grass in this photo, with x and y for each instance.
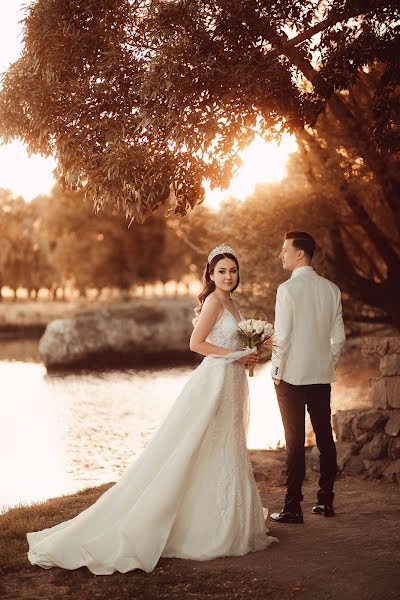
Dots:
(16, 522)
(172, 580)
(351, 556)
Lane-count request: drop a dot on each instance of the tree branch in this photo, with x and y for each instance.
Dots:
(332, 19)
(288, 46)
(391, 190)
(376, 236)
(390, 257)
(364, 254)
(363, 289)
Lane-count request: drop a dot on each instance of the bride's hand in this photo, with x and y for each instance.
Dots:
(249, 359)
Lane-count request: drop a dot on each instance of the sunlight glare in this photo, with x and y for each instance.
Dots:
(263, 162)
(23, 175)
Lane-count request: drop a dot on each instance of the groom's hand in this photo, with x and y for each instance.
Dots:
(277, 381)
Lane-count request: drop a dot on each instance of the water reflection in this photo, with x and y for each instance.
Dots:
(66, 432)
(25, 350)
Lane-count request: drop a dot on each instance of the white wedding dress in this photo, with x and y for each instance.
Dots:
(190, 494)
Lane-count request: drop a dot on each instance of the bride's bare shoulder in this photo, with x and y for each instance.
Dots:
(212, 300)
(212, 305)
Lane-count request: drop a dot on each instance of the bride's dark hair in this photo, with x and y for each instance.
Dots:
(209, 286)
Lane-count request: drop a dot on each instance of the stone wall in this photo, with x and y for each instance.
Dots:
(368, 440)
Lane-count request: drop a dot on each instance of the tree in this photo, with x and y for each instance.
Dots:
(141, 100)
(96, 250)
(89, 250)
(24, 260)
(359, 189)
(341, 190)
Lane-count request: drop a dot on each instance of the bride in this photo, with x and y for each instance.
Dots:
(191, 493)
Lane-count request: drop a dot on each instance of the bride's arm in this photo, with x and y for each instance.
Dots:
(209, 313)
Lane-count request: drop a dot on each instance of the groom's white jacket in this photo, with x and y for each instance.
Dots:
(309, 330)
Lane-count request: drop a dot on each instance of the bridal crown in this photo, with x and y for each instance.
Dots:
(222, 249)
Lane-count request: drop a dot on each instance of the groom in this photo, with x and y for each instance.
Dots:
(309, 337)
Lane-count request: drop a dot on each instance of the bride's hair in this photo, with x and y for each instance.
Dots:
(209, 286)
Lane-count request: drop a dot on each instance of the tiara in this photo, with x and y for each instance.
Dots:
(222, 249)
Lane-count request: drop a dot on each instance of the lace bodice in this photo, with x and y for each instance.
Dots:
(225, 333)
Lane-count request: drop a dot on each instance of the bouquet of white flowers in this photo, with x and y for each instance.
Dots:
(256, 333)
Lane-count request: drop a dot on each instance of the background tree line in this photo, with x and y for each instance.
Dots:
(57, 242)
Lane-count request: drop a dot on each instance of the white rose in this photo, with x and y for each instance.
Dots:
(268, 328)
(259, 327)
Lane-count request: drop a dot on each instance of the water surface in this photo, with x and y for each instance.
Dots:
(60, 433)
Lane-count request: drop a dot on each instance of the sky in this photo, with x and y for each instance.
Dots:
(23, 175)
(29, 176)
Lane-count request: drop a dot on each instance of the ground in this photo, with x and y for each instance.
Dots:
(353, 556)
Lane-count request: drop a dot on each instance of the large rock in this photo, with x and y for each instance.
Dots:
(312, 459)
(354, 466)
(393, 391)
(393, 425)
(344, 452)
(381, 346)
(385, 392)
(394, 448)
(376, 448)
(363, 439)
(269, 465)
(392, 472)
(390, 365)
(369, 421)
(342, 424)
(130, 332)
(376, 468)
(377, 393)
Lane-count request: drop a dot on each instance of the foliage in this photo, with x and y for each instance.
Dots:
(340, 189)
(23, 259)
(141, 100)
(360, 191)
(57, 241)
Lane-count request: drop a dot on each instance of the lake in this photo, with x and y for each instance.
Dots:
(63, 432)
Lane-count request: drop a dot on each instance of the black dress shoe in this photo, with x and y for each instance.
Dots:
(285, 516)
(324, 509)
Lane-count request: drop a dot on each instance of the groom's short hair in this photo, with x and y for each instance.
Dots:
(302, 241)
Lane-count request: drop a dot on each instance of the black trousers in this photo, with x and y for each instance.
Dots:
(292, 401)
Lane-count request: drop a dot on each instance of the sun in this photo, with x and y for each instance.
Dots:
(263, 162)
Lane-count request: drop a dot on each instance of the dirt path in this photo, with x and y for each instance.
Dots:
(355, 556)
